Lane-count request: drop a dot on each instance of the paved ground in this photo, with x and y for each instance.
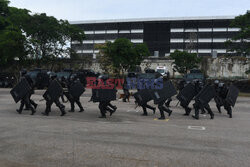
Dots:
(125, 139)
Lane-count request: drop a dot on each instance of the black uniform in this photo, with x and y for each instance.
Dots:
(104, 105)
(125, 91)
(217, 98)
(145, 106)
(26, 100)
(222, 95)
(162, 108)
(199, 106)
(72, 99)
(57, 102)
(31, 93)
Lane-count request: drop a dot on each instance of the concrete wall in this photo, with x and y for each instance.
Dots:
(215, 68)
(228, 68)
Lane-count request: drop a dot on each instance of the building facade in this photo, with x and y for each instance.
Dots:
(205, 36)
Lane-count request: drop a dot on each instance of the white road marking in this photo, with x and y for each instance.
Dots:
(196, 127)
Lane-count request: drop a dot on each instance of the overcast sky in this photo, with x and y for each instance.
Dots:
(76, 10)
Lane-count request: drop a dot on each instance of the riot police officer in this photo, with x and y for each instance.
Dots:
(23, 74)
(223, 91)
(163, 108)
(200, 106)
(26, 100)
(57, 102)
(104, 105)
(73, 80)
(217, 97)
(125, 91)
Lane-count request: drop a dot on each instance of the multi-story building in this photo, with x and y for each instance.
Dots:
(201, 35)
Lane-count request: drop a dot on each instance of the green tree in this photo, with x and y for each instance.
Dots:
(12, 40)
(243, 46)
(122, 55)
(184, 61)
(240, 43)
(34, 38)
(50, 38)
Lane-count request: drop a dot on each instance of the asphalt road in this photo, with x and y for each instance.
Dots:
(124, 140)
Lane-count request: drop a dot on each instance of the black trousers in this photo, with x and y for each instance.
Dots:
(219, 103)
(105, 106)
(167, 104)
(185, 106)
(228, 108)
(58, 104)
(31, 102)
(77, 101)
(73, 100)
(126, 95)
(162, 108)
(197, 106)
(26, 101)
(145, 106)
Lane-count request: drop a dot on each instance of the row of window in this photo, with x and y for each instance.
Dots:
(171, 51)
(104, 41)
(201, 40)
(114, 31)
(171, 30)
(87, 51)
(205, 30)
(203, 50)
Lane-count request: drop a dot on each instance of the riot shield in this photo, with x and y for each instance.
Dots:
(53, 92)
(143, 96)
(232, 95)
(99, 95)
(77, 89)
(186, 94)
(20, 90)
(206, 94)
(163, 94)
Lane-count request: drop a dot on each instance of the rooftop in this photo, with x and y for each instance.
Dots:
(152, 19)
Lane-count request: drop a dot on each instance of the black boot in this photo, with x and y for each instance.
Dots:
(195, 117)
(35, 105)
(45, 113)
(169, 112)
(162, 114)
(212, 116)
(33, 111)
(187, 110)
(19, 111)
(154, 109)
(62, 111)
(203, 111)
(218, 107)
(81, 110)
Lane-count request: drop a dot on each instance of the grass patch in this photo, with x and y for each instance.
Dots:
(244, 94)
